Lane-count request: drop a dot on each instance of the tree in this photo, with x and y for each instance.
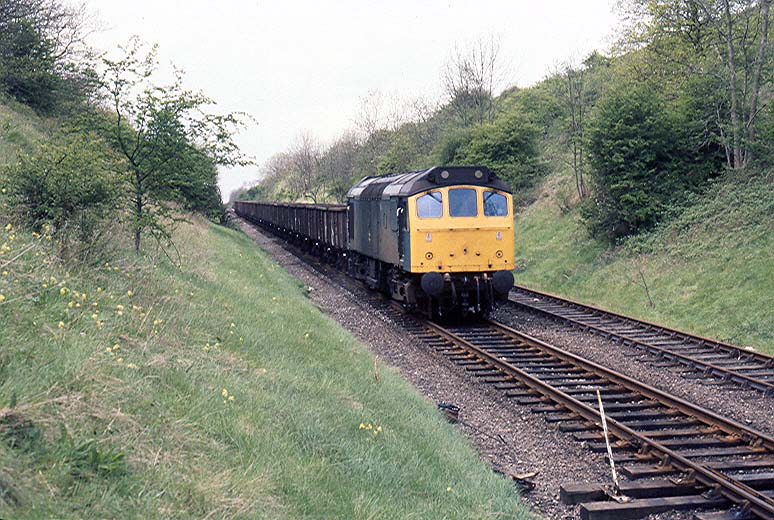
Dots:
(572, 91)
(722, 43)
(162, 131)
(642, 161)
(303, 176)
(337, 166)
(470, 78)
(508, 146)
(44, 61)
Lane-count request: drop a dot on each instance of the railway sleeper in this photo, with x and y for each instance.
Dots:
(659, 424)
(609, 398)
(577, 493)
(695, 453)
(635, 472)
(730, 514)
(664, 434)
(545, 370)
(647, 506)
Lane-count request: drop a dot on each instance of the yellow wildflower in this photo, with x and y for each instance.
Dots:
(129, 293)
(70, 304)
(224, 393)
(94, 316)
(131, 365)
(119, 307)
(2, 298)
(231, 398)
(45, 286)
(8, 227)
(116, 347)
(120, 360)
(5, 273)
(60, 324)
(99, 289)
(63, 291)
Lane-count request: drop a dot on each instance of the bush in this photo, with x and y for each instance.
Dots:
(642, 159)
(73, 186)
(508, 146)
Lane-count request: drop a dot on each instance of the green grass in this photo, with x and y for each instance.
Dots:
(20, 129)
(147, 430)
(710, 270)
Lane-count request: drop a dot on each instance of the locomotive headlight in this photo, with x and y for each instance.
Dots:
(445, 174)
(479, 174)
(428, 237)
(499, 235)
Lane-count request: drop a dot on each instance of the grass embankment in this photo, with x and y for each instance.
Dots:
(215, 390)
(709, 271)
(20, 128)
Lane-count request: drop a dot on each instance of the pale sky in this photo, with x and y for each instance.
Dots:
(303, 66)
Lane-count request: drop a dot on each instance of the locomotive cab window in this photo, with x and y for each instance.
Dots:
(495, 204)
(430, 205)
(463, 203)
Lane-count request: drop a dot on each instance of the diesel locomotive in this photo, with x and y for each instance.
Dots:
(438, 240)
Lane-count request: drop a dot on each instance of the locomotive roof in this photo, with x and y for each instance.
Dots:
(411, 183)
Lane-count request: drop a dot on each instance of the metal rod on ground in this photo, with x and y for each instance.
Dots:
(607, 442)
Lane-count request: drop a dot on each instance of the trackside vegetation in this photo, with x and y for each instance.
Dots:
(708, 270)
(140, 389)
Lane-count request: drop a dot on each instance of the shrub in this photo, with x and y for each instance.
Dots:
(73, 186)
(508, 146)
(642, 160)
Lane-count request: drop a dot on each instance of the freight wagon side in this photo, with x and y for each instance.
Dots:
(316, 228)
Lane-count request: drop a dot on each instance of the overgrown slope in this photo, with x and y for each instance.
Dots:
(710, 270)
(137, 389)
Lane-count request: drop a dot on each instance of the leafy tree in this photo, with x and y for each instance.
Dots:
(508, 146)
(338, 166)
(73, 185)
(44, 61)
(167, 139)
(720, 42)
(642, 161)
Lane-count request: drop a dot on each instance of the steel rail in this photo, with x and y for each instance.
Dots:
(706, 367)
(733, 490)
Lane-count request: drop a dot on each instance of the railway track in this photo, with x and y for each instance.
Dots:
(678, 455)
(707, 357)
